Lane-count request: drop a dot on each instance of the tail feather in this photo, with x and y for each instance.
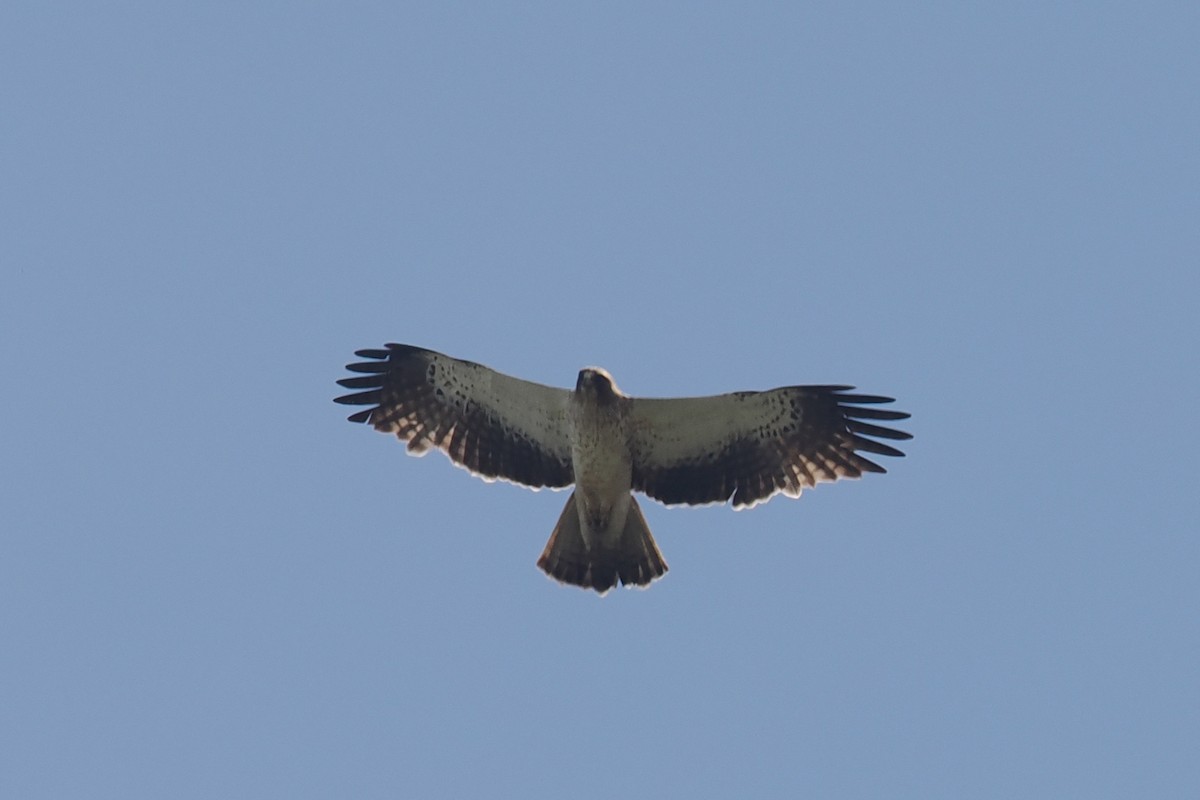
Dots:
(635, 561)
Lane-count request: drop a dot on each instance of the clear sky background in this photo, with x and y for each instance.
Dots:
(212, 585)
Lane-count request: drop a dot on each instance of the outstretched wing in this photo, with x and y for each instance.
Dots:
(749, 446)
(494, 425)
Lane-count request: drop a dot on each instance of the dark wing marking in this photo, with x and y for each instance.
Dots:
(748, 446)
(494, 425)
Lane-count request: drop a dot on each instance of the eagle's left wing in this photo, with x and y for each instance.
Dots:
(494, 425)
(748, 446)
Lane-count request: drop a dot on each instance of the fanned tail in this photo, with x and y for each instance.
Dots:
(635, 561)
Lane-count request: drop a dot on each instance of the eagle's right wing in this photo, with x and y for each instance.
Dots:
(494, 425)
(749, 446)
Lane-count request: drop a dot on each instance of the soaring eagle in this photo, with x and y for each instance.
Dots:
(743, 447)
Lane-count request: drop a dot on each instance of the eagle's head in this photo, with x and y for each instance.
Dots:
(595, 382)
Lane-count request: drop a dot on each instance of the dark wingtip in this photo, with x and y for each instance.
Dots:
(853, 412)
(877, 430)
(864, 398)
(364, 382)
(374, 367)
(872, 446)
(359, 398)
(372, 377)
(873, 413)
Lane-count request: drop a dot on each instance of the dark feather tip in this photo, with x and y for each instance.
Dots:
(864, 398)
(873, 413)
(365, 382)
(359, 399)
(872, 446)
(368, 366)
(876, 430)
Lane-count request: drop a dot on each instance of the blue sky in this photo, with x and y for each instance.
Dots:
(212, 585)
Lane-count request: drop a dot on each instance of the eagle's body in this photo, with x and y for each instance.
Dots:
(742, 447)
(597, 425)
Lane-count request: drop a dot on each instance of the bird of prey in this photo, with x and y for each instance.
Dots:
(743, 447)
